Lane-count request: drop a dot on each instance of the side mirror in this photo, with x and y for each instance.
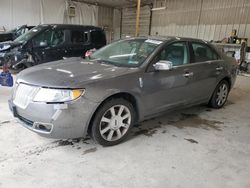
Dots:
(163, 65)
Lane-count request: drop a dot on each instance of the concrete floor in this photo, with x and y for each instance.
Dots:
(196, 147)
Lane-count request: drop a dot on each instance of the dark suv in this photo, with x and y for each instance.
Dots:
(46, 43)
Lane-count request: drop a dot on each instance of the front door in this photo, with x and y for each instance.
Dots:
(49, 46)
(163, 90)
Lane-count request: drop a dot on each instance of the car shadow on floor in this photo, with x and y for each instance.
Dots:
(181, 119)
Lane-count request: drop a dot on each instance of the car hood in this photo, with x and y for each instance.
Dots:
(6, 34)
(4, 46)
(70, 73)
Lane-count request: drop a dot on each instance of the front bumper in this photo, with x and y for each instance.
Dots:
(59, 121)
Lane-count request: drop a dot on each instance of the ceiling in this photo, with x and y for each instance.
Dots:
(116, 3)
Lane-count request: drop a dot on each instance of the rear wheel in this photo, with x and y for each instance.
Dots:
(113, 122)
(220, 95)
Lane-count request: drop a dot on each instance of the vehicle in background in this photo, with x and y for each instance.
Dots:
(121, 84)
(14, 33)
(46, 43)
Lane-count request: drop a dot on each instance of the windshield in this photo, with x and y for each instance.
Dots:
(128, 53)
(13, 30)
(29, 34)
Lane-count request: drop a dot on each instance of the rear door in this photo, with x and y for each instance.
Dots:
(163, 90)
(206, 68)
(98, 38)
(79, 43)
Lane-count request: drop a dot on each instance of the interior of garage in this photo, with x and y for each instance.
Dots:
(208, 20)
(197, 146)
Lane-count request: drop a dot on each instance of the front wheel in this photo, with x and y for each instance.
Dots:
(113, 122)
(220, 95)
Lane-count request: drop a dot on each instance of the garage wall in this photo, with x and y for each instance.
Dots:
(105, 20)
(205, 19)
(34, 12)
(116, 23)
(85, 14)
(129, 21)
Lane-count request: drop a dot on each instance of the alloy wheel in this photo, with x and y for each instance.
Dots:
(115, 122)
(222, 94)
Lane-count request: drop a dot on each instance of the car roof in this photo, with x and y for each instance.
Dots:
(73, 26)
(169, 38)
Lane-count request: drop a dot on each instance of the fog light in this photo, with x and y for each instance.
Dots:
(44, 127)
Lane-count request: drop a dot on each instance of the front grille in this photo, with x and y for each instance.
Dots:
(24, 94)
(26, 121)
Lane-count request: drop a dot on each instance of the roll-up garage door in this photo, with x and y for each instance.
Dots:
(129, 21)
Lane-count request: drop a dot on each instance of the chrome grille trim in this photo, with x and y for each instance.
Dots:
(24, 94)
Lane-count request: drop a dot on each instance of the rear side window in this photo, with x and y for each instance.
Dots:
(203, 53)
(79, 37)
(98, 37)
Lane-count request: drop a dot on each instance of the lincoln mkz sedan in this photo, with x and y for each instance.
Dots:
(120, 85)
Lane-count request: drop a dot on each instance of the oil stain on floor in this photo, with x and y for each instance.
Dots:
(194, 121)
(91, 150)
(191, 140)
(148, 129)
(181, 121)
(4, 122)
(146, 132)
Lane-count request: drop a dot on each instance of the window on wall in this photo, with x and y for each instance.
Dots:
(203, 53)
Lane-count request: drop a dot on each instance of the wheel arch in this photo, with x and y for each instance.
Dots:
(124, 95)
(228, 79)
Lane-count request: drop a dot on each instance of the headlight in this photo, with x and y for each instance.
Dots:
(57, 95)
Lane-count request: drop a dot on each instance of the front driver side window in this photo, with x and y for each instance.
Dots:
(50, 38)
(177, 53)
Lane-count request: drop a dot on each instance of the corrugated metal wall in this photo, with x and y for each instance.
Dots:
(129, 21)
(205, 19)
(105, 20)
(116, 23)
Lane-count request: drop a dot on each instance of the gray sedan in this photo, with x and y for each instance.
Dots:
(121, 84)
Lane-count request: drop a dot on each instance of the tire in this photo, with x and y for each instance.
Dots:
(219, 97)
(113, 122)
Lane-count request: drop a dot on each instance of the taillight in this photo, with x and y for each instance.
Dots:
(89, 52)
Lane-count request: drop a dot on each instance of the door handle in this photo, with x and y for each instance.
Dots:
(188, 74)
(219, 68)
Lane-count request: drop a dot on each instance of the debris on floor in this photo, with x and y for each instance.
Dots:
(91, 150)
(191, 140)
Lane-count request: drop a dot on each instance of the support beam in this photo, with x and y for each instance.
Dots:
(137, 29)
(121, 24)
